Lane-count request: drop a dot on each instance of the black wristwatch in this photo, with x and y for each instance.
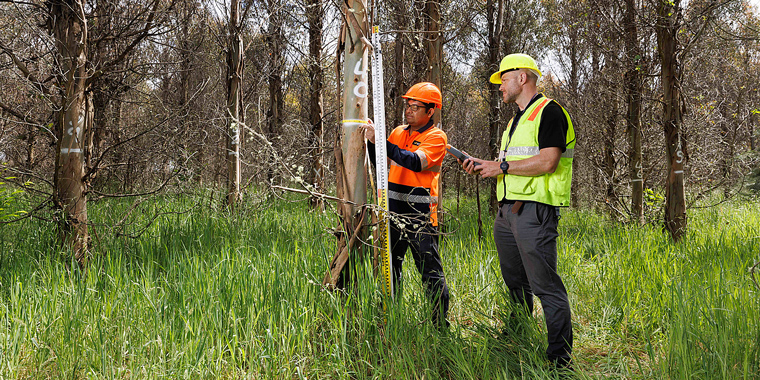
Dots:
(504, 165)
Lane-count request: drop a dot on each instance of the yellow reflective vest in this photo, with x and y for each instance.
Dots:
(551, 188)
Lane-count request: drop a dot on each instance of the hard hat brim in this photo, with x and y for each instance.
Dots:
(426, 101)
(496, 78)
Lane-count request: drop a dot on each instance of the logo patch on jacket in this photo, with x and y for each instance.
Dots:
(416, 143)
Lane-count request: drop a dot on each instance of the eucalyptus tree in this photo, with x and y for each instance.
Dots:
(316, 174)
(89, 56)
(633, 60)
(351, 179)
(274, 38)
(677, 31)
(76, 41)
(234, 79)
(434, 45)
(494, 13)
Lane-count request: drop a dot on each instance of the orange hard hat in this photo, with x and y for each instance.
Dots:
(425, 92)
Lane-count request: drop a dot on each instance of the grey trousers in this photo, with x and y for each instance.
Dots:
(527, 245)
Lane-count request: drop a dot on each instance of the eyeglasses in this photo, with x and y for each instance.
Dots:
(413, 107)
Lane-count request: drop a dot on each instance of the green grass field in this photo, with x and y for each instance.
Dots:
(204, 294)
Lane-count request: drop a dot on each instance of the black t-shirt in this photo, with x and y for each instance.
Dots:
(552, 132)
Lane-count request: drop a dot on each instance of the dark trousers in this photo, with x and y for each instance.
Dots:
(527, 246)
(423, 242)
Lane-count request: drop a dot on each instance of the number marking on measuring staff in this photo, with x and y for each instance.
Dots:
(381, 166)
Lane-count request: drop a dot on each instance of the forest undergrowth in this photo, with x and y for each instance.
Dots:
(192, 291)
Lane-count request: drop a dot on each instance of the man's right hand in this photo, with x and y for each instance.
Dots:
(485, 168)
(369, 131)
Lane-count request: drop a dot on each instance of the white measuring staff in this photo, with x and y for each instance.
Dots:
(381, 162)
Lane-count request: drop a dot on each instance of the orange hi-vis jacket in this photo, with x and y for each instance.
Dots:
(418, 188)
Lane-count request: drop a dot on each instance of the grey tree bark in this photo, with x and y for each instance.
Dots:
(495, 16)
(316, 175)
(234, 102)
(350, 152)
(633, 87)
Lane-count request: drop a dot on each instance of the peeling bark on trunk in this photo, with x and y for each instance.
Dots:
(350, 152)
(68, 26)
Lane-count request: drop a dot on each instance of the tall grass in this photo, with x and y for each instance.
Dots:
(202, 293)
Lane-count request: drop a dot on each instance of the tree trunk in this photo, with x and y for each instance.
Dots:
(667, 28)
(576, 54)
(754, 120)
(434, 40)
(495, 15)
(68, 26)
(185, 41)
(633, 88)
(234, 90)
(31, 136)
(419, 57)
(726, 127)
(608, 152)
(350, 171)
(317, 172)
(275, 39)
(398, 88)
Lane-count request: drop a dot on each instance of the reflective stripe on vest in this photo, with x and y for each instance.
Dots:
(533, 151)
(550, 188)
(410, 198)
(423, 159)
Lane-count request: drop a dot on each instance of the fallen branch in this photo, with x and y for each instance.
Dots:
(314, 194)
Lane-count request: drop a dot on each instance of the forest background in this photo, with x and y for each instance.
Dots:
(125, 99)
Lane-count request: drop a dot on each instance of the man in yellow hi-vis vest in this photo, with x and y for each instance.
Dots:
(533, 174)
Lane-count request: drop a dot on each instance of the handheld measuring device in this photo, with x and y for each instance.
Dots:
(458, 154)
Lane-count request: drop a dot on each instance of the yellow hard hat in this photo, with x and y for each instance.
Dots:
(514, 62)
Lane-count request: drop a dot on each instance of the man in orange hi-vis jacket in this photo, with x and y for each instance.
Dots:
(416, 151)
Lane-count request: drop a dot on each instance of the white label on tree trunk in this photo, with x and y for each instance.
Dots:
(359, 70)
